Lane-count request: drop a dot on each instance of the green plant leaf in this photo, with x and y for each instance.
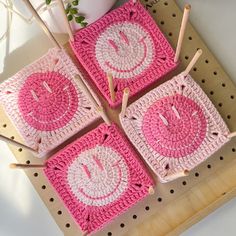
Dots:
(83, 24)
(79, 19)
(75, 3)
(70, 17)
(73, 11)
(48, 2)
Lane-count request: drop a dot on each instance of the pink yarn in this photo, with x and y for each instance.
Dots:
(175, 127)
(128, 44)
(98, 177)
(45, 102)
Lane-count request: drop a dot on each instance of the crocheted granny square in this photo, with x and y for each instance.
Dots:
(128, 44)
(45, 102)
(175, 127)
(98, 177)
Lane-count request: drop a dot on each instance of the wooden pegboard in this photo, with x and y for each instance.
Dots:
(177, 205)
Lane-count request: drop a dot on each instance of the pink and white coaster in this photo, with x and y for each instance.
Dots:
(98, 177)
(175, 127)
(128, 44)
(45, 102)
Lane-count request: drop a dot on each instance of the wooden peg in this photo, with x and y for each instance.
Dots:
(192, 62)
(125, 101)
(13, 142)
(187, 9)
(151, 190)
(231, 135)
(111, 86)
(177, 175)
(103, 114)
(25, 166)
(41, 23)
(68, 26)
(84, 87)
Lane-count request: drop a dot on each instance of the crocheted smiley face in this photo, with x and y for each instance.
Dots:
(127, 44)
(175, 127)
(47, 101)
(180, 126)
(124, 50)
(98, 176)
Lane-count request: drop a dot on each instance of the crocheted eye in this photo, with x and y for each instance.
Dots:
(215, 133)
(88, 108)
(167, 167)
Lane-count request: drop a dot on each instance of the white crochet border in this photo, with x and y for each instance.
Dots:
(50, 139)
(157, 162)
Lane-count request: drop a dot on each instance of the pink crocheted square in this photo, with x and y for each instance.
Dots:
(128, 44)
(98, 177)
(46, 103)
(175, 127)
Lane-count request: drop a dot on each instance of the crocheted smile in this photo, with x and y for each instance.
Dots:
(180, 126)
(98, 176)
(47, 101)
(124, 50)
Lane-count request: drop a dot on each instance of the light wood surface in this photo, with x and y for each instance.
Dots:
(177, 205)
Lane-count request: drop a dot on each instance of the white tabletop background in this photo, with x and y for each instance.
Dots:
(22, 213)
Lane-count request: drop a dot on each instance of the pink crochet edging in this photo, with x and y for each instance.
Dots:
(128, 44)
(175, 127)
(98, 177)
(45, 102)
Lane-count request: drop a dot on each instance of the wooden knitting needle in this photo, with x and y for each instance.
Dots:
(192, 62)
(151, 190)
(187, 9)
(24, 166)
(103, 114)
(13, 142)
(68, 26)
(124, 101)
(86, 91)
(41, 23)
(177, 175)
(111, 86)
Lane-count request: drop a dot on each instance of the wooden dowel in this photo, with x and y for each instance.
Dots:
(111, 86)
(87, 91)
(24, 166)
(151, 190)
(125, 101)
(192, 62)
(13, 142)
(187, 9)
(103, 114)
(68, 26)
(177, 175)
(41, 23)
(231, 135)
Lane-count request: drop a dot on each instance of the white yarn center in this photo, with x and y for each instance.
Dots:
(98, 176)
(125, 50)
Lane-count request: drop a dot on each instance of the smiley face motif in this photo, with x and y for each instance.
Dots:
(174, 126)
(98, 176)
(125, 50)
(47, 101)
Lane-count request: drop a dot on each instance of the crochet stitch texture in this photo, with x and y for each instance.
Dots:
(45, 102)
(98, 177)
(175, 127)
(128, 44)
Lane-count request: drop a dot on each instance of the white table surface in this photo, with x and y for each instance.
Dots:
(22, 213)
